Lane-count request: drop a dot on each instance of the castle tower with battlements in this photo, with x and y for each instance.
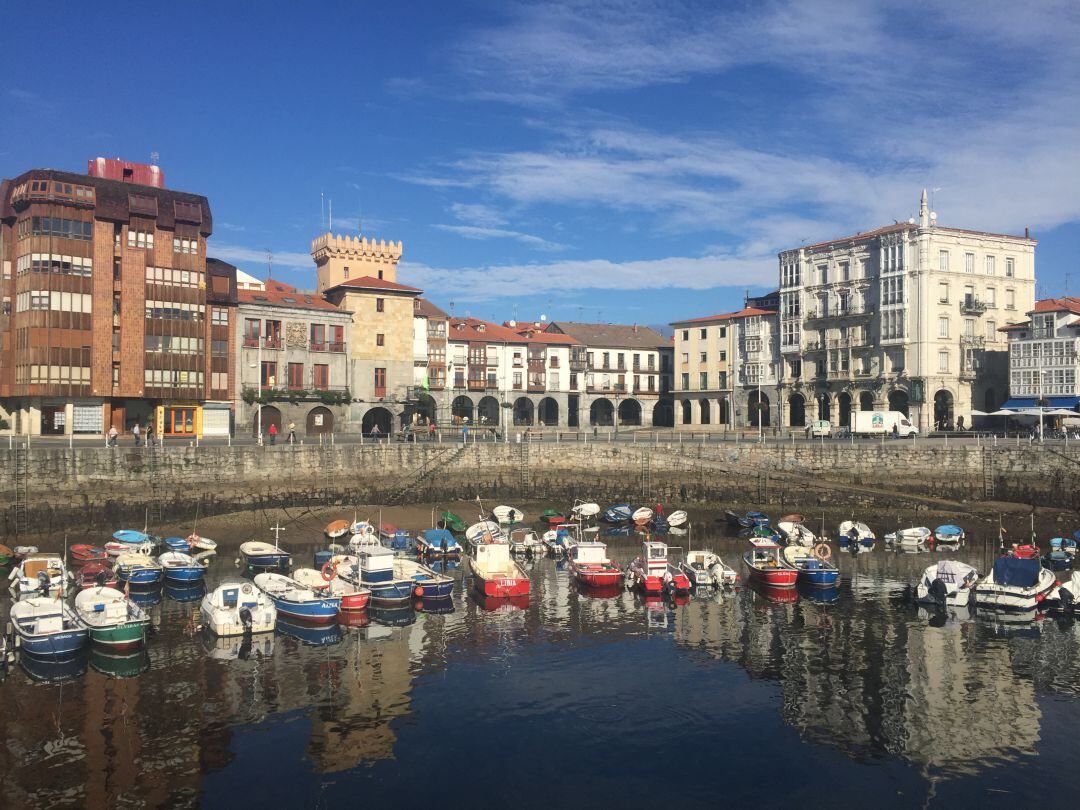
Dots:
(342, 258)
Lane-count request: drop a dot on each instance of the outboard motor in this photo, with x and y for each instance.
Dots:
(940, 591)
(245, 619)
(43, 582)
(1066, 599)
(101, 579)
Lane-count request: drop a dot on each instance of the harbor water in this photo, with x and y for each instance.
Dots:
(844, 698)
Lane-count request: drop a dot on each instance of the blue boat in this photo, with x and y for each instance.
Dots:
(427, 584)
(1061, 554)
(261, 556)
(185, 591)
(395, 538)
(437, 543)
(177, 544)
(132, 537)
(54, 670)
(48, 628)
(139, 569)
(748, 520)
(376, 564)
(619, 513)
(949, 535)
(322, 635)
(814, 572)
(322, 557)
(435, 606)
(298, 602)
(180, 567)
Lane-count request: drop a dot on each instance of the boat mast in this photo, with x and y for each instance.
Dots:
(277, 530)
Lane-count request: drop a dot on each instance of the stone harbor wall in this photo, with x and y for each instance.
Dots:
(104, 487)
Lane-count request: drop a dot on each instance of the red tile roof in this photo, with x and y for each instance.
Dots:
(724, 316)
(1012, 327)
(475, 330)
(426, 309)
(293, 299)
(274, 285)
(751, 311)
(1064, 304)
(369, 283)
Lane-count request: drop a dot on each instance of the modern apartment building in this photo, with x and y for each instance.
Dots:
(1044, 356)
(111, 314)
(904, 317)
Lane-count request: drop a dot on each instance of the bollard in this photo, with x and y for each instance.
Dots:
(71, 443)
(229, 439)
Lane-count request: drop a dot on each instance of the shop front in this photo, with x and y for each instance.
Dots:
(179, 420)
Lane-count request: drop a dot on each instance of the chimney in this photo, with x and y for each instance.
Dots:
(1027, 234)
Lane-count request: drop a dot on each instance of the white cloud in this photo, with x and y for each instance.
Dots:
(483, 216)
(256, 256)
(476, 232)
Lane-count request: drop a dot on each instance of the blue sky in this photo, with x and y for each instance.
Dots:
(629, 161)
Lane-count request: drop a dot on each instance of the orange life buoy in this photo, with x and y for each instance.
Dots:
(331, 566)
(823, 551)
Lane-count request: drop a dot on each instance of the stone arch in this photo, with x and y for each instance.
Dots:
(759, 410)
(899, 401)
(487, 411)
(421, 411)
(461, 409)
(602, 413)
(523, 411)
(630, 412)
(270, 416)
(843, 409)
(320, 419)
(796, 406)
(379, 417)
(723, 410)
(943, 409)
(547, 412)
(866, 401)
(663, 414)
(687, 412)
(706, 415)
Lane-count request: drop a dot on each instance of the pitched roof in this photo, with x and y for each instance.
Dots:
(475, 330)
(426, 309)
(611, 335)
(278, 286)
(369, 283)
(751, 311)
(905, 226)
(724, 316)
(1064, 304)
(291, 299)
(1012, 327)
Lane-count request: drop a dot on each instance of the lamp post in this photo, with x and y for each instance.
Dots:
(258, 400)
(757, 405)
(1042, 399)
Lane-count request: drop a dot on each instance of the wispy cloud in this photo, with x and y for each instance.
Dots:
(477, 232)
(477, 214)
(258, 257)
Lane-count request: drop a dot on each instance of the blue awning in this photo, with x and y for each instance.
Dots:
(1030, 402)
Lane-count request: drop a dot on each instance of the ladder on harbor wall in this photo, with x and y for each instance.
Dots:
(156, 512)
(22, 490)
(646, 474)
(525, 470)
(763, 487)
(988, 473)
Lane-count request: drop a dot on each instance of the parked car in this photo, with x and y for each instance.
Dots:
(822, 427)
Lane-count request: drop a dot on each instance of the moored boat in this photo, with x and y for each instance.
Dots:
(795, 531)
(947, 582)
(133, 537)
(83, 553)
(1061, 555)
(437, 543)
(236, 608)
(525, 541)
(262, 556)
(949, 534)
(747, 520)
(705, 569)
(374, 570)
(97, 573)
(395, 538)
(298, 602)
(48, 628)
(1065, 596)
(196, 542)
(647, 571)
(558, 541)
(114, 548)
(496, 574)
(336, 528)
(589, 564)
(22, 552)
(176, 544)
(676, 583)
(39, 573)
(7, 556)
(427, 583)
(585, 509)
(857, 535)
(552, 517)
(677, 518)
(507, 515)
(139, 569)
(813, 566)
(642, 515)
(181, 567)
(1014, 584)
(766, 566)
(619, 513)
(449, 520)
(484, 531)
(114, 621)
(914, 538)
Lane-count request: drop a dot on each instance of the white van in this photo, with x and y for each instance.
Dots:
(874, 423)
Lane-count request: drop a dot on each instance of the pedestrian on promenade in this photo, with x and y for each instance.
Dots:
(292, 432)
(465, 433)
(431, 430)
(135, 433)
(375, 431)
(150, 438)
(659, 510)
(273, 434)
(113, 434)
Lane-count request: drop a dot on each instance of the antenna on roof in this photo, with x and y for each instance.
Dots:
(322, 211)
(451, 309)
(331, 215)
(269, 264)
(154, 158)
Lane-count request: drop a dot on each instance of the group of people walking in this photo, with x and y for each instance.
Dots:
(138, 433)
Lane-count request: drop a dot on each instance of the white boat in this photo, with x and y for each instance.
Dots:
(525, 541)
(507, 514)
(642, 515)
(114, 548)
(362, 540)
(585, 509)
(115, 621)
(39, 574)
(913, 538)
(235, 608)
(706, 569)
(853, 531)
(947, 582)
(559, 540)
(487, 531)
(677, 518)
(201, 543)
(1065, 596)
(795, 532)
(352, 596)
(1014, 584)
(296, 601)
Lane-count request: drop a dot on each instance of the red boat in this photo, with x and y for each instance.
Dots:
(88, 576)
(773, 594)
(496, 574)
(327, 583)
(648, 571)
(590, 566)
(83, 553)
(676, 582)
(1025, 551)
(766, 566)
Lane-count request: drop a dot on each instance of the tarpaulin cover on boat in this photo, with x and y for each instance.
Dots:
(953, 571)
(1016, 572)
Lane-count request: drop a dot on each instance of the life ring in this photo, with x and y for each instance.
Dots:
(331, 566)
(823, 551)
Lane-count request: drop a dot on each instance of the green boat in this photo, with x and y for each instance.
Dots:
(115, 622)
(552, 516)
(453, 522)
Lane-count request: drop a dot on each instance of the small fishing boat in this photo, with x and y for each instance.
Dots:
(83, 553)
(947, 582)
(909, 539)
(1061, 554)
(949, 535)
(237, 608)
(7, 556)
(647, 571)
(677, 518)
(41, 574)
(374, 570)
(484, 531)
(1014, 584)
(22, 552)
(181, 567)
(113, 619)
(327, 583)
(336, 528)
(176, 544)
(449, 520)
(495, 573)
(552, 517)
(585, 510)
(48, 628)
(676, 583)
(589, 565)
(1065, 596)
(139, 569)
(264, 556)
(362, 540)
(395, 538)
(297, 602)
(507, 515)
(705, 569)
(853, 532)
(94, 574)
(558, 541)
(133, 537)
(642, 515)
(437, 543)
(525, 541)
(795, 531)
(748, 520)
(363, 528)
(813, 565)
(196, 542)
(114, 548)
(619, 513)
(766, 566)
(427, 584)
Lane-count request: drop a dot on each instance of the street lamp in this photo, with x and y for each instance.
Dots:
(1042, 399)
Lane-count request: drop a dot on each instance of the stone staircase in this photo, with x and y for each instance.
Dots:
(431, 466)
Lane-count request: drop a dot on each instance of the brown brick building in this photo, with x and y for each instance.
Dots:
(110, 312)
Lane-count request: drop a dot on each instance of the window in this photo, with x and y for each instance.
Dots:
(723, 356)
(685, 382)
(296, 375)
(174, 311)
(219, 348)
(318, 337)
(943, 293)
(320, 375)
(346, 271)
(380, 339)
(252, 331)
(823, 274)
(703, 381)
(219, 316)
(173, 344)
(140, 239)
(969, 327)
(703, 357)
(686, 357)
(943, 327)
(55, 264)
(990, 265)
(723, 331)
(1010, 267)
(685, 334)
(991, 330)
(63, 228)
(969, 262)
(845, 272)
(219, 381)
(943, 362)
(703, 334)
(380, 382)
(380, 304)
(184, 245)
(176, 278)
(943, 261)
(268, 374)
(795, 369)
(1010, 299)
(337, 338)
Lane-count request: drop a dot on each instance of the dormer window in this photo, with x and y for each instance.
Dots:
(346, 271)
(380, 274)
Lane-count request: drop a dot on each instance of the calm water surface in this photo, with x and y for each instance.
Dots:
(571, 699)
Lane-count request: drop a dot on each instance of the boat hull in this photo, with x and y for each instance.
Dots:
(126, 636)
(67, 644)
(599, 578)
(189, 573)
(140, 577)
(317, 611)
(434, 589)
(269, 562)
(390, 592)
(819, 578)
(501, 587)
(772, 577)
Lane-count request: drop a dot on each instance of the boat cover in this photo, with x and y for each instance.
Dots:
(953, 571)
(1016, 572)
(434, 537)
(949, 530)
(130, 536)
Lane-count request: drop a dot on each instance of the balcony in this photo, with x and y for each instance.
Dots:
(326, 346)
(252, 342)
(839, 343)
(812, 346)
(477, 385)
(328, 394)
(852, 311)
(611, 388)
(973, 341)
(972, 306)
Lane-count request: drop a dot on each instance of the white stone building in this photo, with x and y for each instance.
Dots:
(1044, 356)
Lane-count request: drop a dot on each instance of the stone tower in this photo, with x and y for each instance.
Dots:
(341, 258)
